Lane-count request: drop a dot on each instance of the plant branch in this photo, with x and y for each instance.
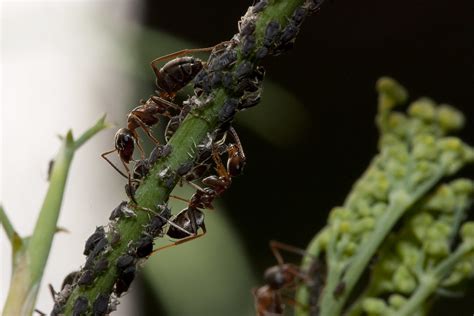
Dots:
(31, 258)
(7, 225)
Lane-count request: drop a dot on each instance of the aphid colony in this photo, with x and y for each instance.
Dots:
(216, 160)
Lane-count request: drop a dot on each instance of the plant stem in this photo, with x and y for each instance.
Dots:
(192, 131)
(398, 206)
(7, 225)
(31, 259)
(430, 280)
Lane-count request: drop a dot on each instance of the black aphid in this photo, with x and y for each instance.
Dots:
(80, 306)
(100, 305)
(92, 241)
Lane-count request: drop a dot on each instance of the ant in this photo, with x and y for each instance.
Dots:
(189, 220)
(170, 78)
(284, 276)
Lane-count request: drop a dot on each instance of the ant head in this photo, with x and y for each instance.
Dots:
(236, 162)
(124, 138)
(278, 277)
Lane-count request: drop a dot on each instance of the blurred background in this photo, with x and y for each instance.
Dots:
(65, 63)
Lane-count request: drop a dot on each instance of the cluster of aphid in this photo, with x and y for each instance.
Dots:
(207, 172)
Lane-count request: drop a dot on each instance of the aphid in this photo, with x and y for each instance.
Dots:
(313, 5)
(271, 33)
(124, 280)
(184, 168)
(118, 212)
(144, 247)
(243, 69)
(141, 169)
(100, 305)
(160, 151)
(125, 261)
(80, 306)
(259, 6)
(92, 241)
(86, 278)
(70, 279)
(248, 45)
(101, 265)
(299, 15)
(222, 59)
(227, 112)
(157, 222)
(99, 247)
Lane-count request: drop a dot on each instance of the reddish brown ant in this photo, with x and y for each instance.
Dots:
(171, 78)
(189, 220)
(269, 299)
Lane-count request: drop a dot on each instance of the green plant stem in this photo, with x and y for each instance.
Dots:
(7, 225)
(430, 280)
(193, 130)
(31, 258)
(398, 206)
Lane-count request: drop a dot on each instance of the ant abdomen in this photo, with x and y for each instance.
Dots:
(190, 220)
(177, 73)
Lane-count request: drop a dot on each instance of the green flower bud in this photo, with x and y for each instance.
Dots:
(391, 89)
(397, 300)
(449, 118)
(339, 213)
(403, 280)
(398, 123)
(436, 248)
(424, 109)
(463, 186)
(424, 147)
(420, 223)
(374, 306)
(443, 200)
(378, 209)
(408, 252)
(467, 231)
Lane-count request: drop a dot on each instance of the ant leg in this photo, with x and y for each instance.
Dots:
(169, 221)
(294, 302)
(237, 141)
(276, 246)
(179, 198)
(181, 241)
(145, 128)
(169, 104)
(220, 168)
(103, 155)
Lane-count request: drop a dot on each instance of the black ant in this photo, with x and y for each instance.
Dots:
(284, 276)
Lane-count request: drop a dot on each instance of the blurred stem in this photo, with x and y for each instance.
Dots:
(31, 257)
